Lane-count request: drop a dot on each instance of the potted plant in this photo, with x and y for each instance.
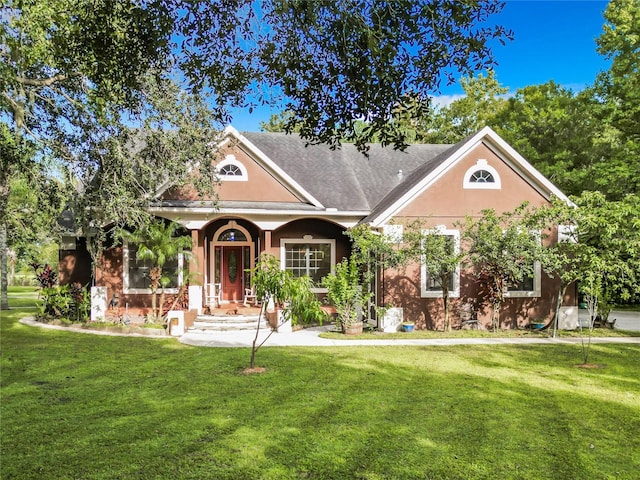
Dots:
(345, 293)
(408, 326)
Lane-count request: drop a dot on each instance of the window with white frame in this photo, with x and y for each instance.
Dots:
(529, 286)
(314, 258)
(136, 271)
(482, 176)
(231, 170)
(431, 286)
(393, 232)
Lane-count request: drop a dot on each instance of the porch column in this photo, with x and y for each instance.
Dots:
(267, 243)
(196, 263)
(196, 269)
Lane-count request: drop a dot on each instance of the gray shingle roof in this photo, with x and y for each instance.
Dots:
(345, 178)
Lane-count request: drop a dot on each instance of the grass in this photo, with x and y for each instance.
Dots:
(95, 407)
(520, 333)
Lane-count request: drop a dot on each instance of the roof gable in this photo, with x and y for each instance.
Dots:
(427, 174)
(235, 138)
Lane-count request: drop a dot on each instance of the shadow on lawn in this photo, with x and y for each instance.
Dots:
(108, 407)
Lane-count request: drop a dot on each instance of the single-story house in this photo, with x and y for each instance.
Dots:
(279, 195)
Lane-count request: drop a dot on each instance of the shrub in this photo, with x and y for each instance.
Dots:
(60, 301)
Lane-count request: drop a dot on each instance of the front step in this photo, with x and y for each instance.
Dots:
(225, 323)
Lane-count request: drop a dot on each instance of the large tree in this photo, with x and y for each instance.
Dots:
(336, 62)
(558, 132)
(620, 42)
(76, 75)
(483, 99)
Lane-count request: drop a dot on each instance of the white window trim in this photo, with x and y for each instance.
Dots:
(232, 160)
(308, 239)
(567, 233)
(537, 286)
(146, 291)
(455, 292)
(394, 233)
(482, 164)
(537, 280)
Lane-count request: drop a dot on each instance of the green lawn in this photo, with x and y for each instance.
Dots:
(77, 406)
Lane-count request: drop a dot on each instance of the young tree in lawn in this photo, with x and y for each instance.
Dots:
(160, 242)
(281, 289)
(600, 251)
(502, 251)
(440, 256)
(612, 230)
(611, 270)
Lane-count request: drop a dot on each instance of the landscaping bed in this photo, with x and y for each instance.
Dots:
(151, 330)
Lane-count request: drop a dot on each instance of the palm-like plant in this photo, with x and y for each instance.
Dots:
(160, 243)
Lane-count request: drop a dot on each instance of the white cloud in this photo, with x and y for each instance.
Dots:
(442, 101)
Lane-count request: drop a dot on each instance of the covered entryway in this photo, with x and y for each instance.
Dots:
(231, 254)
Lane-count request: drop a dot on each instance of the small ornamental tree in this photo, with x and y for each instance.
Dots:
(159, 243)
(566, 259)
(440, 255)
(345, 292)
(370, 251)
(502, 251)
(279, 287)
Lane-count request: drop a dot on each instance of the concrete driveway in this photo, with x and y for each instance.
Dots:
(625, 320)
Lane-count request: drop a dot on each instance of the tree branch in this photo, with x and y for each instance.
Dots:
(42, 82)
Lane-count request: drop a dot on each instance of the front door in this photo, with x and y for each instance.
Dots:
(232, 273)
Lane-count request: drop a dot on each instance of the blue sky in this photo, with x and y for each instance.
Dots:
(553, 40)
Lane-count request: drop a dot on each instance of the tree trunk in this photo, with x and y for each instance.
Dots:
(446, 305)
(561, 292)
(255, 346)
(495, 316)
(4, 298)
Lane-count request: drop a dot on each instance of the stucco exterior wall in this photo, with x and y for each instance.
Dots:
(446, 203)
(261, 185)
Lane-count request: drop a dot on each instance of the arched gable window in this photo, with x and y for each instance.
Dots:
(231, 170)
(482, 176)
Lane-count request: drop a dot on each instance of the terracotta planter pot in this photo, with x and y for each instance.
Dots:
(352, 329)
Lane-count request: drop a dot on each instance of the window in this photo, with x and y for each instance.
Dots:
(393, 232)
(431, 287)
(232, 235)
(231, 170)
(482, 176)
(136, 272)
(314, 258)
(529, 286)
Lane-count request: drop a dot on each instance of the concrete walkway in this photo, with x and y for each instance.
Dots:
(309, 337)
